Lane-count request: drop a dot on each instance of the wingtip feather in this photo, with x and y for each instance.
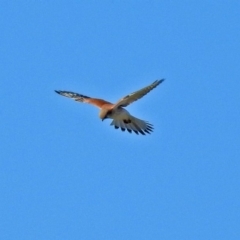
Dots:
(160, 81)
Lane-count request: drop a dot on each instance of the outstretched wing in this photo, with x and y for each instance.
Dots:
(132, 124)
(85, 99)
(125, 101)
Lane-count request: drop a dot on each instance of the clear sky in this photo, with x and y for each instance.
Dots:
(65, 174)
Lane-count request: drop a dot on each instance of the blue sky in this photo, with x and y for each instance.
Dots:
(67, 175)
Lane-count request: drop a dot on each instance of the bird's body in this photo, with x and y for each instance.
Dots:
(121, 117)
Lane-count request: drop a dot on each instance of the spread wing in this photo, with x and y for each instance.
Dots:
(132, 124)
(125, 101)
(85, 99)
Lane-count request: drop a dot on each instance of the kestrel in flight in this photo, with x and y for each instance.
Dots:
(121, 117)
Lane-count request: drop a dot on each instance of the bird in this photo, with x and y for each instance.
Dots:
(121, 118)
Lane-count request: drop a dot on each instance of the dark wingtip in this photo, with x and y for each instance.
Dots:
(160, 81)
(129, 130)
(142, 132)
(147, 131)
(57, 91)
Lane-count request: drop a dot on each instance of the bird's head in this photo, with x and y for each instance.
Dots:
(104, 113)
